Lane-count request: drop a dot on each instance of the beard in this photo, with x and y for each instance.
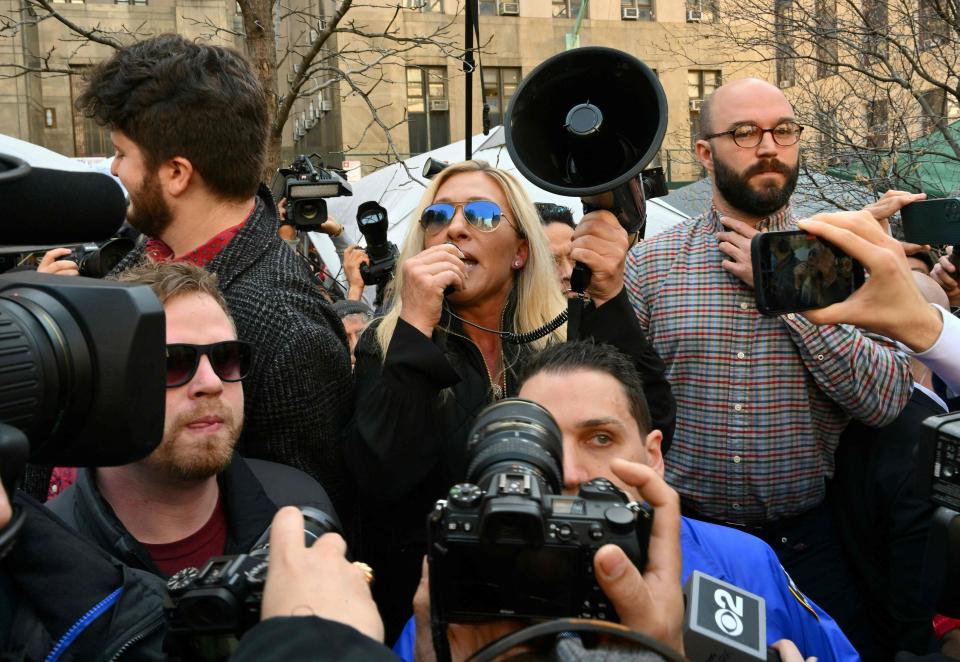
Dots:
(148, 212)
(770, 197)
(180, 458)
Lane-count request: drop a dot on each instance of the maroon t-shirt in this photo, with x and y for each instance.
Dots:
(196, 549)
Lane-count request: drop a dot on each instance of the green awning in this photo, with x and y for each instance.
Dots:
(928, 165)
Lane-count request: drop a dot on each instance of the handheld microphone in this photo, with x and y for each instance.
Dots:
(724, 622)
(51, 207)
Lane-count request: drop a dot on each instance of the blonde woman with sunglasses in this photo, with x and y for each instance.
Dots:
(476, 267)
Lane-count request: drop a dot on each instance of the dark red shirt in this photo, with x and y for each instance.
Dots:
(194, 550)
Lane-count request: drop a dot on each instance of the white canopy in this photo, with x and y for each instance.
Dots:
(399, 193)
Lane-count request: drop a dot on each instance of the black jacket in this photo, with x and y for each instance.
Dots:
(62, 567)
(309, 639)
(299, 394)
(883, 522)
(408, 442)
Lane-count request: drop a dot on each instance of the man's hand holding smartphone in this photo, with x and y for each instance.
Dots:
(890, 302)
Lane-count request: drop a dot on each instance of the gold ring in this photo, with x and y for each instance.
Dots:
(367, 570)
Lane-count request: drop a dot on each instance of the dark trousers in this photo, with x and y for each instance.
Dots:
(809, 550)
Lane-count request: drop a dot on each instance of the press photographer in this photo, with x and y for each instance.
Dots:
(607, 435)
(475, 276)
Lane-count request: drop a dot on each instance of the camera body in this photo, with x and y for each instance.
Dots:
(98, 260)
(508, 544)
(223, 597)
(939, 460)
(305, 187)
(515, 551)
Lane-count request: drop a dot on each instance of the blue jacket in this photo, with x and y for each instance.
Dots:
(748, 562)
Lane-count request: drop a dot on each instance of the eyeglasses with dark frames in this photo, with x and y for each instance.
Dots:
(230, 360)
(784, 134)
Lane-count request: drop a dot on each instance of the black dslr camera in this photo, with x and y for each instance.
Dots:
(507, 544)
(223, 597)
(373, 223)
(97, 260)
(305, 186)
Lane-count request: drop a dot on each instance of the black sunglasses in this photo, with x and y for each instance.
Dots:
(229, 359)
(481, 214)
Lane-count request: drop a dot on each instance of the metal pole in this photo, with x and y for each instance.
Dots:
(468, 67)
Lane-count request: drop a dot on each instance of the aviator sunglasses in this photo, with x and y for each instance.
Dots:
(481, 214)
(229, 359)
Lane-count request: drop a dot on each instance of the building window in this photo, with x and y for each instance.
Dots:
(703, 11)
(428, 112)
(638, 10)
(488, 7)
(566, 8)
(137, 3)
(89, 138)
(69, 2)
(876, 19)
(700, 84)
(942, 107)
(499, 84)
(783, 28)
(877, 116)
(826, 38)
(933, 26)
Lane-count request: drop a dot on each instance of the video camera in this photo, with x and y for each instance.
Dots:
(82, 363)
(373, 223)
(223, 597)
(507, 544)
(305, 188)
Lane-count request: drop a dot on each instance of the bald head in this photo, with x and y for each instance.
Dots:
(728, 102)
(931, 290)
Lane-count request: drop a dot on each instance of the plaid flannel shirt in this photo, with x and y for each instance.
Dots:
(761, 401)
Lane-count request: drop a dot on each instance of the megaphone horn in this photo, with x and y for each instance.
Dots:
(585, 123)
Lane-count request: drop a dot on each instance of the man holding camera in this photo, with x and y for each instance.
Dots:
(761, 400)
(609, 435)
(189, 123)
(192, 498)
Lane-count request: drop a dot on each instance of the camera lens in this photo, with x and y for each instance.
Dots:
(315, 524)
(515, 435)
(309, 210)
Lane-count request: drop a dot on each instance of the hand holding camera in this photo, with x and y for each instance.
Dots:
(601, 243)
(53, 263)
(948, 275)
(353, 257)
(426, 276)
(316, 580)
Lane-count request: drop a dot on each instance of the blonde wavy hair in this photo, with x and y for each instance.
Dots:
(539, 296)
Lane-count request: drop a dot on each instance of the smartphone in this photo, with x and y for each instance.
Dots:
(935, 222)
(796, 271)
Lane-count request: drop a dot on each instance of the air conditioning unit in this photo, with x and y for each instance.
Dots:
(630, 14)
(325, 106)
(694, 15)
(310, 124)
(439, 105)
(291, 78)
(509, 8)
(413, 4)
(695, 105)
(321, 24)
(313, 35)
(786, 82)
(296, 67)
(931, 43)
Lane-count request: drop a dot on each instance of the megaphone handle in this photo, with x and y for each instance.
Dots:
(580, 278)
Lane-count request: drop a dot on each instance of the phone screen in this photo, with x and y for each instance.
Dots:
(796, 271)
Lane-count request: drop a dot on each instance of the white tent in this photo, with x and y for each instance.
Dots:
(399, 193)
(39, 157)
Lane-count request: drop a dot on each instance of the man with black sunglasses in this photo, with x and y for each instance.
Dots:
(193, 497)
(761, 400)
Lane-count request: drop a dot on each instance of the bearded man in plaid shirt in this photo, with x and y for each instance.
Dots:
(761, 401)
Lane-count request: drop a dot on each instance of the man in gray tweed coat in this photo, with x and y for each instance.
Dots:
(189, 123)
